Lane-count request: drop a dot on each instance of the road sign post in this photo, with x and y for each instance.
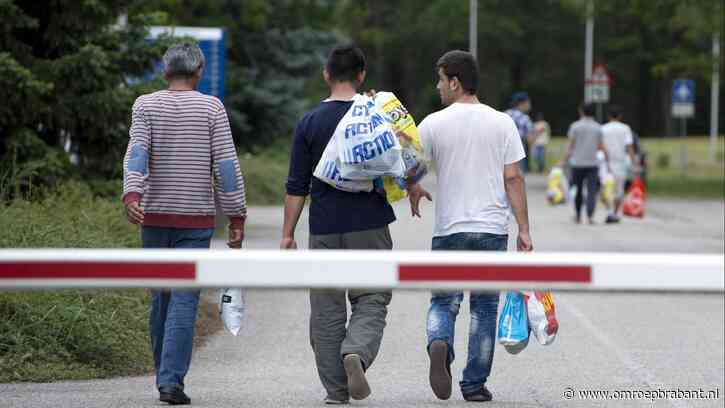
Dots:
(683, 107)
(597, 88)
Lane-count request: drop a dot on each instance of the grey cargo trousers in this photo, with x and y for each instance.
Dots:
(329, 338)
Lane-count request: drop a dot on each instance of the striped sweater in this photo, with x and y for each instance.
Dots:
(181, 160)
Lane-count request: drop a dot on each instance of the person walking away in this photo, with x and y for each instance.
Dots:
(519, 112)
(477, 153)
(180, 162)
(542, 132)
(618, 140)
(585, 139)
(339, 220)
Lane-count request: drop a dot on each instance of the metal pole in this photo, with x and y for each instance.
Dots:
(683, 146)
(473, 28)
(714, 94)
(589, 45)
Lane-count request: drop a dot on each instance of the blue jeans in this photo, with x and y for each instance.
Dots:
(540, 157)
(484, 308)
(173, 313)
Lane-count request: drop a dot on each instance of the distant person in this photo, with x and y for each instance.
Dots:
(520, 108)
(343, 349)
(542, 136)
(585, 139)
(180, 162)
(619, 143)
(477, 153)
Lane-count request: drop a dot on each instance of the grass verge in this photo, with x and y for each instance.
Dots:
(668, 175)
(76, 334)
(265, 174)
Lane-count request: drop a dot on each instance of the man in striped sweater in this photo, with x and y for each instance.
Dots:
(180, 162)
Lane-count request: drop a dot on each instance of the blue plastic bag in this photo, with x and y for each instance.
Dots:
(513, 324)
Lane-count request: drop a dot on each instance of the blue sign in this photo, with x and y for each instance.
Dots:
(211, 42)
(683, 91)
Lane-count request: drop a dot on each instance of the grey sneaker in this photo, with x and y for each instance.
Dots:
(357, 384)
(440, 371)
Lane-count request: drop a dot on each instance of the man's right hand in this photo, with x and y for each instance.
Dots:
(134, 213)
(288, 243)
(524, 243)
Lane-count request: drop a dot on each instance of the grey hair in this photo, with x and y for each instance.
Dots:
(183, 60)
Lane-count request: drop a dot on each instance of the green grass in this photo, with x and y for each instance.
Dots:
(75, 334)
(265, 174)
(667, 177)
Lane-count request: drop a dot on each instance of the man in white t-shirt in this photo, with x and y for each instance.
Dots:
(617, 138)
(476, 152)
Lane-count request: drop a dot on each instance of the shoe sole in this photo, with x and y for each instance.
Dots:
(172, 401)
(440, 378)
(357, 384)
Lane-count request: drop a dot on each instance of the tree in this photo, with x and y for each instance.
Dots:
(66, 71)
(275, 52)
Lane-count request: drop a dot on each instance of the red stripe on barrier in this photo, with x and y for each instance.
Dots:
(97, 270)
(503, 273)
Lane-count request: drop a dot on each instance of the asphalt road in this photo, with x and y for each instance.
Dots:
(607, 341)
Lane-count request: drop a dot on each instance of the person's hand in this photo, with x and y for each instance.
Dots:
(236, 236)
(134, 213)
(288, 243)
(415, 193)
(523, 242)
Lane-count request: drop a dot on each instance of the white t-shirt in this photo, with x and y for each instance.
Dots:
(469, 145)
(616, 137)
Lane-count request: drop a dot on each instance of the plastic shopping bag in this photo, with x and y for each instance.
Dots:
(608, 186)
(557, 187)
(633, 205)
(403, 124)
(328, 170)
(542, 316)
(231, 309)
(513, 324)
(366, 143)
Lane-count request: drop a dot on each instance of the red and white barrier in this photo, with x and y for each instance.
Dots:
(80, 268)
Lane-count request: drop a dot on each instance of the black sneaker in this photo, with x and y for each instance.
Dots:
(612, 219)
(440, 370)
(481, 395)
(335, 401)
(173, 396)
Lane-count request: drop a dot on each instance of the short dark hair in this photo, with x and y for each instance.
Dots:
(614, 111)
(588, 109)
(345, 63)
(461, 65)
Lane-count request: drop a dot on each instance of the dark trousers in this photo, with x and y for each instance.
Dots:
(589, 177)
(329, 338)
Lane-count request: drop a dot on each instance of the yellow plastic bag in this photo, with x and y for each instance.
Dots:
(407, 133)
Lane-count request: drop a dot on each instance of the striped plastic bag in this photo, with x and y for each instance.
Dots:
(542, 316)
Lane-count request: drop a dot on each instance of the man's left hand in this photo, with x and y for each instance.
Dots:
(236, 236)
(415, 193)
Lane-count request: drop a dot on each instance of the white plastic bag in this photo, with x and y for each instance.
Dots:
(231, 309)
(366, 142)
(542, 316)
(328, 170)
